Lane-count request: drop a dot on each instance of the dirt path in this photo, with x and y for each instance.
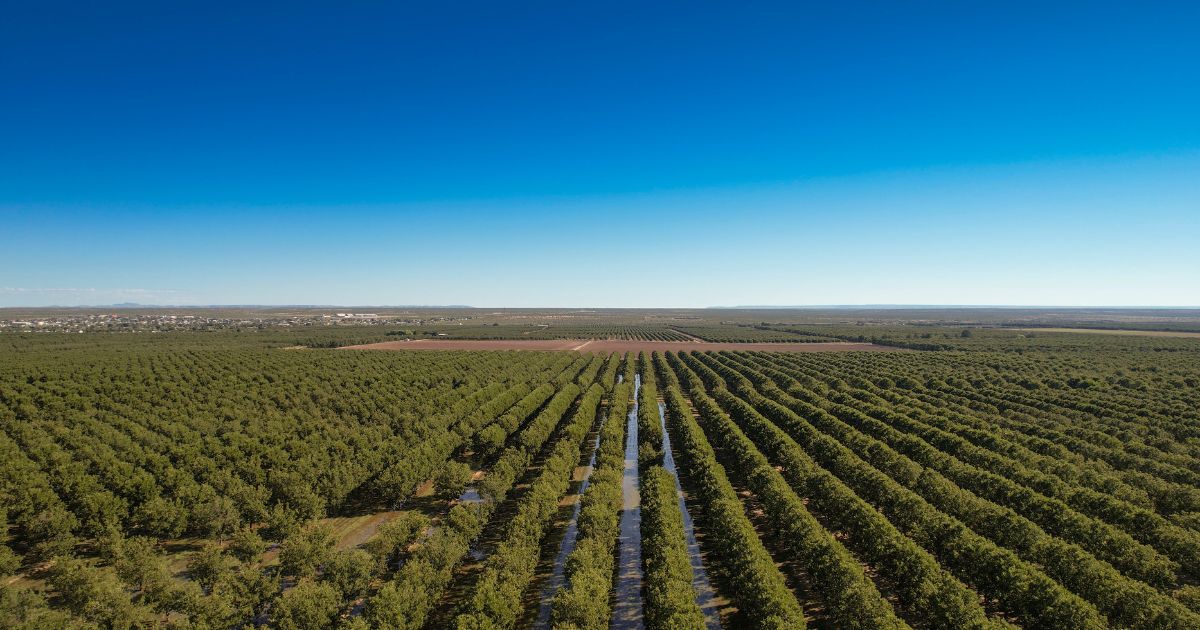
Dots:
(689, 336)
(354, 531)
(616, 345)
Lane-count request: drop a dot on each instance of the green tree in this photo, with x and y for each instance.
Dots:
(405, 603)
(9, 561)
(140, 565)
(208, 566)
(490, 440)
(248, 590)
(216, 517)
(161, 517)
(294, 490)
(206, 611)
(281, 523)
(305, 551)
(94, 594)
(394, 535)
(246, 545)
(51, 529)
(309, 606)
(350, 571)
(451, 479)
(23, 609)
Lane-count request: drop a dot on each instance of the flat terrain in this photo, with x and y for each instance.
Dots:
(987, 475)
(1110, 331)
(615, 345)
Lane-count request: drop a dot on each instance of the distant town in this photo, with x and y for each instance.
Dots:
(159, 322)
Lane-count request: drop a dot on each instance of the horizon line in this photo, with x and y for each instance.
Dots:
(134, 305)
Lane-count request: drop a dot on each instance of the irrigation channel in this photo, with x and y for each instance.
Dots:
(627, 608)
(627, 611)
(471, 495)
(557, 578)
(706, 596)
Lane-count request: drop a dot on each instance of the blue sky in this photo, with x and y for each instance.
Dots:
(600, 154)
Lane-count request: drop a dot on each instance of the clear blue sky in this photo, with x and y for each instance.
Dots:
(600, 154)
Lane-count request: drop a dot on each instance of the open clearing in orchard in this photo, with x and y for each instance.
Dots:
(616, 345)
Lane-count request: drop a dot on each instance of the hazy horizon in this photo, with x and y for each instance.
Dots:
(584, 308)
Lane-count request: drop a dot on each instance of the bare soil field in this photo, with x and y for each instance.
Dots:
(615, 345)
(1103, 331)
